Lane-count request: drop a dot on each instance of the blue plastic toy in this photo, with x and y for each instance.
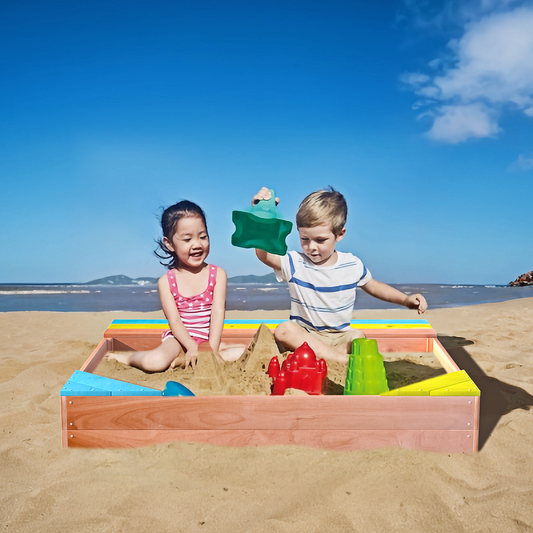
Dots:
(173, 388)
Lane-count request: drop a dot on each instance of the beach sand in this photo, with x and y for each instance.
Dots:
(198, 487)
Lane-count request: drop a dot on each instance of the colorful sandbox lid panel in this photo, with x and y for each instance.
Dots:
(453, 384)
(272, 324)
(87, 384)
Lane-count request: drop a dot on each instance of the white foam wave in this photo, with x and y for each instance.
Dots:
(40, 291)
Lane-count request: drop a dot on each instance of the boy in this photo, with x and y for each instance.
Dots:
(322, 281)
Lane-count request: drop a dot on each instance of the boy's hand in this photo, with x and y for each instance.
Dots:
(416, 301)
(263, 194)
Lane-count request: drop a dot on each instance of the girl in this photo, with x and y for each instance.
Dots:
(192, 293)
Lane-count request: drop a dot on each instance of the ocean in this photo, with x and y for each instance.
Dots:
(240, 296)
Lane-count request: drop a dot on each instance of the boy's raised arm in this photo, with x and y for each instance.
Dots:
(390, 294)
(271, 260)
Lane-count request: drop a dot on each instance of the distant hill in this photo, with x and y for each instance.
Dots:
(267, 278)
(125, 280)
(122, 280)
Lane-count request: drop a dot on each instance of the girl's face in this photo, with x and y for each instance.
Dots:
(190, 242)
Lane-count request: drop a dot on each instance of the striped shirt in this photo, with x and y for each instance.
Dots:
(194, 311)
(323, 297)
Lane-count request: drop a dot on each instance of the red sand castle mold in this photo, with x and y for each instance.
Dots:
(300, 370)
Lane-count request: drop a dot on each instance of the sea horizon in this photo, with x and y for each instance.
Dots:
(143, 297)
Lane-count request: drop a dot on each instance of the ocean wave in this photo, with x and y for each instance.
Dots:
(40, 291)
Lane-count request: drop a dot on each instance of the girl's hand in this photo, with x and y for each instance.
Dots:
(218, 357)
(263, 194)
(191, 357)
(416, 301)
(184, 360)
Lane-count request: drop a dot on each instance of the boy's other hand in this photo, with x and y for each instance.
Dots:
(263, 194)
(416, 301)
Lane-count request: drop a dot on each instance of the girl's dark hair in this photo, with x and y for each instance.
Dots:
(169, 222)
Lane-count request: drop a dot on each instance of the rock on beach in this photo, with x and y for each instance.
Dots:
(524, 279)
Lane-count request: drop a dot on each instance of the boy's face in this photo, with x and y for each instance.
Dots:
(318, 244)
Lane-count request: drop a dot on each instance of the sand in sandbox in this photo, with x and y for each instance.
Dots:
(247, 375)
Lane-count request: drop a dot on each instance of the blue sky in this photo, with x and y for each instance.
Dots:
(420, 113)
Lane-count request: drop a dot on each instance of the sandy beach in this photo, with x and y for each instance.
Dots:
(198, 487)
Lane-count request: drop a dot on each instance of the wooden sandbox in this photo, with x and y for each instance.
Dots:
(438, 414)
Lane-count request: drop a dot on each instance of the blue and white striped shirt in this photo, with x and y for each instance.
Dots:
(323, 297)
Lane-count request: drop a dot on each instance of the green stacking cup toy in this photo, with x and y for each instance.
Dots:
(260, 227)
(365, 373)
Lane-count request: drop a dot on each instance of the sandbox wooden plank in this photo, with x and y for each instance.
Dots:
(272, 413)
(249, 333)
(123, 343)
(64, 423)
(387, 341)
(98, 353)
(475, 423)
(407, 344)
(427, 440)
(136, 344)
(443, 356)
(423, 333)
(272, 323)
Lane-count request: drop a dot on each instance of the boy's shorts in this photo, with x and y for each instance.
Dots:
(335, 338)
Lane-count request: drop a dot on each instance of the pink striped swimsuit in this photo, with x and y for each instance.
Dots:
(194, 311)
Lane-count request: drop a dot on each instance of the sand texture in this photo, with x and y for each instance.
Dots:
(247, 375)
(197, 487)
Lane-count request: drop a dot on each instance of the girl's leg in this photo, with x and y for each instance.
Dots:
(155, 360)
(231, 352)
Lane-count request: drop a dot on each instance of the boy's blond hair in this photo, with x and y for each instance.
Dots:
(323, 207)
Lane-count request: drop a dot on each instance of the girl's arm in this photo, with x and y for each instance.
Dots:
(176, 325)
(218, 311)
(390, 294)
